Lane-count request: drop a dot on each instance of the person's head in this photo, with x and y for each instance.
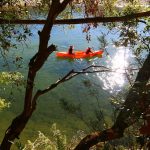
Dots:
(71, 46)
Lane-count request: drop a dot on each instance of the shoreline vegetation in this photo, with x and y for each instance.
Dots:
(21, 3)
(26, 8)
(36, 3)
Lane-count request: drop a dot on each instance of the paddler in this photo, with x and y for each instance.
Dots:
(88, 50)
(70, 50)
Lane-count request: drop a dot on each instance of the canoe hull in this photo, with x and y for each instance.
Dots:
(79, 54)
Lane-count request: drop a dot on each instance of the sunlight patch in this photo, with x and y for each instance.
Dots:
(118, 63)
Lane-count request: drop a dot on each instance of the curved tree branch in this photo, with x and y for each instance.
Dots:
(71, 74)
(130, 113)
(36, 62)
(81, 20)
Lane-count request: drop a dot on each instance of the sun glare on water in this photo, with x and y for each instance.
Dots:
(118, 63)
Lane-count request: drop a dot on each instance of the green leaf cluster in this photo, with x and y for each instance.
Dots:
(144, 40)
(56, 142)
(4, 104)
(7, 78)
(11, 78)
(132, 8)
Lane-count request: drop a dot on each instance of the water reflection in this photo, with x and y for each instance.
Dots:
(118, 63)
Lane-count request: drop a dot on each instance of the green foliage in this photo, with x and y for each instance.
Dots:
(138, 41)
(13, 9)
(4, 104)
(110, 8)
(9, 32)
(57, 142)
(103, 41)
(144, 40)
(11, 78)
(132, 8)
(12, 35)
(19, 145)
(128, 36)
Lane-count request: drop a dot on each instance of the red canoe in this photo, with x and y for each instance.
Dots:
(79, 54)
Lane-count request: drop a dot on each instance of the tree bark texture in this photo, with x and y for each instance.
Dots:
(131, 112)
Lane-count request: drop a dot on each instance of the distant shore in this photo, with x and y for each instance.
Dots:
(21, 3)
(36, 3)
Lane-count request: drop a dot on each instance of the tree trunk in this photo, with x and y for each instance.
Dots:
(131, 112)
(19, 123)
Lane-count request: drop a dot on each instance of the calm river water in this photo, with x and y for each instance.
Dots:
(49, 110)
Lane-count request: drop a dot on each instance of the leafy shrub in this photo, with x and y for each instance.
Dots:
(4, 104)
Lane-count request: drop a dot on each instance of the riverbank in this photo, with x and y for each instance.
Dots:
(21, 3)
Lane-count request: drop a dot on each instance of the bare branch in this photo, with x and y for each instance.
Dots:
(19, 123)
(73, 74)
(81, 20)
(70, 75)
(130, 113)
(65, 3)
(142, 21)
